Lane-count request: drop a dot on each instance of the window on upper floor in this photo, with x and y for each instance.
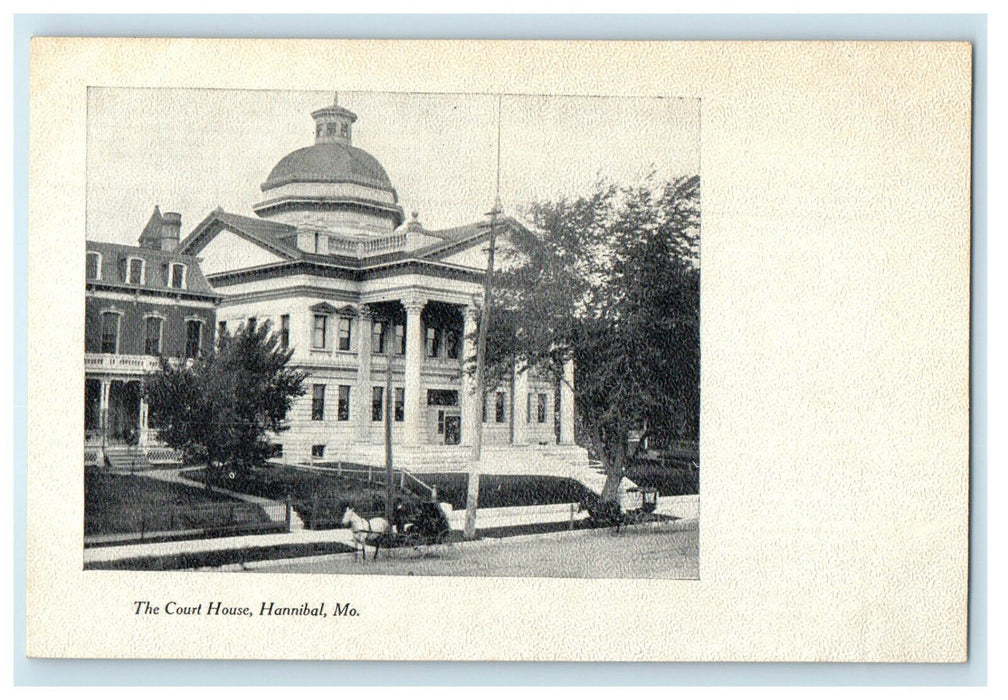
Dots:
(177, 276)
(344, 333)
(285, 331)
(400, 339)
(93, 270)
(318, 402)
(135, 271)
(377, 403)
(499, 407)
(319, 332)
(541, 409)
(152, 335)
(400, 404)
(317, 451)
(452, 343)
(378, 338)
(110, 332)
(221, 332)
(343, 407)
(194, 331)
(433, 342)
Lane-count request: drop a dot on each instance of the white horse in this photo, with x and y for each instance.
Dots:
(366, 532)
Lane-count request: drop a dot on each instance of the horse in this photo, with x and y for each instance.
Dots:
(366, 532)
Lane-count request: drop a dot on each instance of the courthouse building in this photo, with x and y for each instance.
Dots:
(358, 292)
(140, 302)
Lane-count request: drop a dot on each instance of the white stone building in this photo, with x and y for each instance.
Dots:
(357, 293)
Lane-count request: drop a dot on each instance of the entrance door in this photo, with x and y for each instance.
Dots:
(452, 429)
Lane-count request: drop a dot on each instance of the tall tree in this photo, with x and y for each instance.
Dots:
(221, 407)
(611, 280)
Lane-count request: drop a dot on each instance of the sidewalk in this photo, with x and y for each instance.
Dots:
(95, 555)
(682, 507)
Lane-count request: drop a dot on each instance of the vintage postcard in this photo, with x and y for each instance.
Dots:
(387, 356)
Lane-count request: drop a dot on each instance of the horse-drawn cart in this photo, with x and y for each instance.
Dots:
(636, 505)
(417, 528)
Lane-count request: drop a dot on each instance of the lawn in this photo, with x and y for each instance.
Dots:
(125, 503)
(319, 498)
(670, 478)
(502, 490)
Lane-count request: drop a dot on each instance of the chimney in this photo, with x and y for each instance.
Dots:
(171, 230)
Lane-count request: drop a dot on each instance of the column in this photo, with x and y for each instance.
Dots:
(360, 401)
(470, 409)
(414, 358)
(520, 408)
(567, 404)
(103, 408)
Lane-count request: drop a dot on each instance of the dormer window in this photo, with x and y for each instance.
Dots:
(176, 277)
(93, 270)
(135, 271)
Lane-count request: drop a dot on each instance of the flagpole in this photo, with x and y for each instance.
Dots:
(472, 492)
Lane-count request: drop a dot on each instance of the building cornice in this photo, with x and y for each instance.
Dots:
(154, 296)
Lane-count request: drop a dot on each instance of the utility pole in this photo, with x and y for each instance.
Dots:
(386, 324)
(472, 493)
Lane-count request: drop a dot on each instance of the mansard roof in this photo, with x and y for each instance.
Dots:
(114, 268)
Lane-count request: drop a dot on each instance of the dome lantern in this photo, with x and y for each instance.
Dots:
(333, 123)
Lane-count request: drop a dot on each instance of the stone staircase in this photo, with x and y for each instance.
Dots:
(128, 458)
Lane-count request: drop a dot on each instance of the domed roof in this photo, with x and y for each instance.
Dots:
(329, 162)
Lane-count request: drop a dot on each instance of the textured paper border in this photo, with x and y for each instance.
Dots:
(835, 328)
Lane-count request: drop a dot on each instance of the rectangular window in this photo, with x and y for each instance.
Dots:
(285, 331)
(377, 403)
(192, 343)
(528, 408)
(433, 342)
(152, 337)
(344, 334)
(484, 408)
(275, 450)
(400, 334)
(399, 404)
(343, 409)
(541, 415)
(221, 332)
(177, 275)
(440, 422)
(110, 333)
(377, 338)
(317, 451)
(452, 343)
(252, 322)
(499, 408)
(319, 333)
(135, 271)
(318, 402)
(93, 269)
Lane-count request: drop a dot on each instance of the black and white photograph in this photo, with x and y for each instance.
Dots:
(402, 350)
(392, 333)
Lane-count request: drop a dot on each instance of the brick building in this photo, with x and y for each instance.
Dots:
(140, 302)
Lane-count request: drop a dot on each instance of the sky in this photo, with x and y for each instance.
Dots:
(193, 150)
